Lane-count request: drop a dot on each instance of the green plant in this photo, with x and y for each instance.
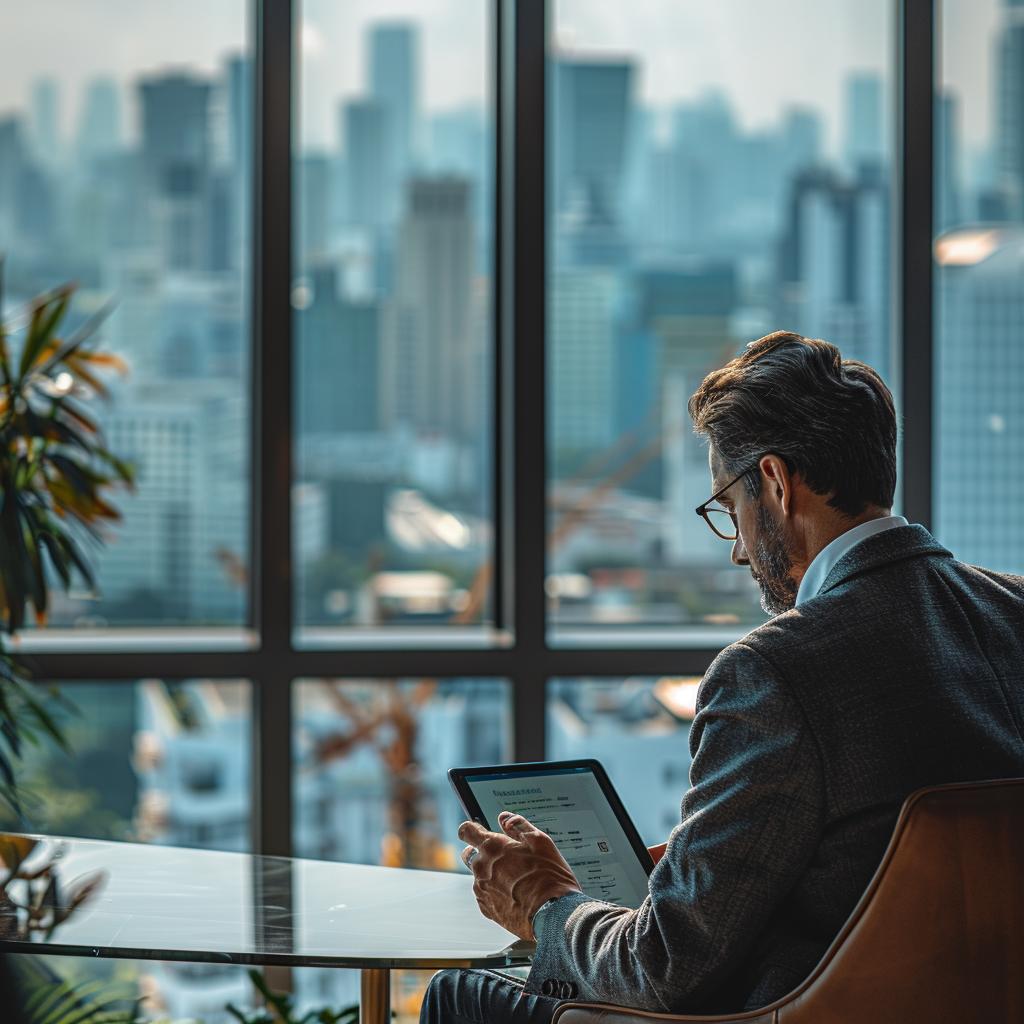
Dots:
(56, 480)
(56, 1001)
(280, 1009)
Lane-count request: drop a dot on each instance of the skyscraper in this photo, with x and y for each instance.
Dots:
(428, 358)
(176, 156)
(365, 131)
(947, 169)
(835, 274)
(980, 421)
(1008, 131)
(593, 109)
(99, 122)
(864, 136)
(46, 141)
(394, 85)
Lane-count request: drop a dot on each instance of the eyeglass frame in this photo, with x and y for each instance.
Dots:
(702, 509)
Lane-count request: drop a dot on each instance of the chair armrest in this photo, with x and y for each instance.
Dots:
(602, 1013)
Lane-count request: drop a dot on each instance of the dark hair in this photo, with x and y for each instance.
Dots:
(831, 419)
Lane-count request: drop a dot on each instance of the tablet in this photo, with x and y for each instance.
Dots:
(573, 802)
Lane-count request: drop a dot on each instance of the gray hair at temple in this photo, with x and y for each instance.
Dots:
(831, 419)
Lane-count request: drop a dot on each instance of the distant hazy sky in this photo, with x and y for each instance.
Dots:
(764, 53)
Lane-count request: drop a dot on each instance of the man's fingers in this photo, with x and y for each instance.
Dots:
(472, 833)
(515, 825)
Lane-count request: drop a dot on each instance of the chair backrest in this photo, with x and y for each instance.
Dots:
(939, 934)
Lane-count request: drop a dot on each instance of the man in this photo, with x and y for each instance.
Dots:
(887, 666)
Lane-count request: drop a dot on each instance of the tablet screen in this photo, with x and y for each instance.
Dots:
(569, 804)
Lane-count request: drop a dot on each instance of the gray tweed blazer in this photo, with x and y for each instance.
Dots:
(906, 670)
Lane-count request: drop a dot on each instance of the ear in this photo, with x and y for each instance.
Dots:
(778, 483)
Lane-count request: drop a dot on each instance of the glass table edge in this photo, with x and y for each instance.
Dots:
(508, 957)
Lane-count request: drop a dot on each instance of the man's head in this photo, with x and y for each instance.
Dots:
(814, 437)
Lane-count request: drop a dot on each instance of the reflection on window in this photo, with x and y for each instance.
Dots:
(125, 166)
(979, 252)
(393, 318)
(639, 730)
(152, 762)
(372, 757)
(712, 181)
(370, 786)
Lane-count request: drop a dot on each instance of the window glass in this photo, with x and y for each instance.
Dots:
(979, 301)
(370, 785)
(392, 300)
(157, 761)
(639, 729)
(125, 166)
(714, 177)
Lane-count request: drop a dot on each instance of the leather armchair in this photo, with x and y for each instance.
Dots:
(937, 937)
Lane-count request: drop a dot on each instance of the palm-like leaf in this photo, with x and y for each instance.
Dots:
(57, 479)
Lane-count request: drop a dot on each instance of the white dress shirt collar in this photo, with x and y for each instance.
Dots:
(825, 560)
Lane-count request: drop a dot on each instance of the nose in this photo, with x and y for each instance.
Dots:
(739, 552)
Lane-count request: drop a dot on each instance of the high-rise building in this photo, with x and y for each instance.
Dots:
(949, 196)
(176, 159)
(583, 355)
(428, 364)
(863, 126)
(394, 85)
(1008, 131)
(835, 268)
(365, 132)
(46, 138)
(980, 421)
(339, 354)
(99, 123)
(593, 111)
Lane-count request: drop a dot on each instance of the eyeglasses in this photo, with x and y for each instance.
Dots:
(721, 520)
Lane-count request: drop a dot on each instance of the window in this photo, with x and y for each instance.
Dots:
(979, 303)
(714, 178)
(709, 172)
(393, 319)
(125, 165)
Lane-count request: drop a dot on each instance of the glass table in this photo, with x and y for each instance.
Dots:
(105, 899)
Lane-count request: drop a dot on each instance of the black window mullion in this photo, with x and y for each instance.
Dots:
(916, 76)
(272, 429)
(527, 34)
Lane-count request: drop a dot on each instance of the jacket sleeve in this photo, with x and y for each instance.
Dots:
(751, 822)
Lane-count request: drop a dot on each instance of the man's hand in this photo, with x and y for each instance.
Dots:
(515, 873)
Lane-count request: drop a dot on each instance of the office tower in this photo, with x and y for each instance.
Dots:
(593, 105)
(12, 162)
(583, 323)
(980, 420)
(801, 136)
(99, 122)
(365, 131)
(176, 158)
(241, 156)
(948, 199)
(1008, 130)
(46, 143)
(314, 196)
(864, 138)
(688, 310)
(339, 356)
(395, 85)
(708, 144)
(428, 371)
(835, 268)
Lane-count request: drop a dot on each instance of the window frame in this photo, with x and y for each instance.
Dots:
(273, 662)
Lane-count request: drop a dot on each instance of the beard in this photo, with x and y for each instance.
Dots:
(778, 589)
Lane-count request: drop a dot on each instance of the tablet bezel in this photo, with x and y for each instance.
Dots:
(459, 779)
